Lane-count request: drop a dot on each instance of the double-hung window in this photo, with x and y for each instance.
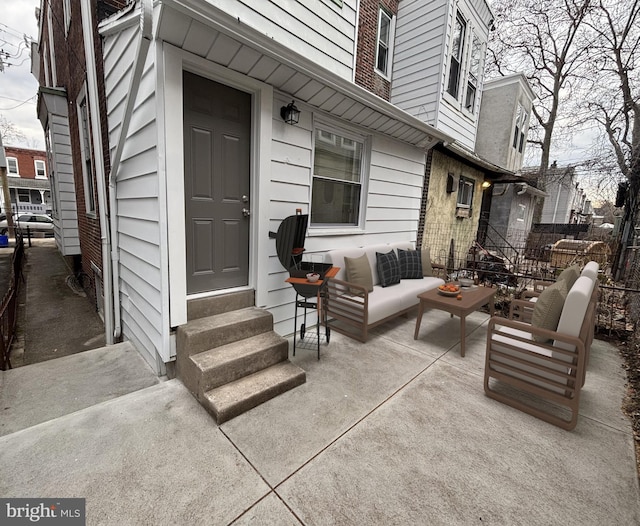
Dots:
(86, 153)
(384, 43)
(41, 170)
(474, 75)
(457, 54)
(520, 127)
(338, 175)
(465, 192)
(12, 167)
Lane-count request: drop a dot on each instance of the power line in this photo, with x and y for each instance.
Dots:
(30, 99)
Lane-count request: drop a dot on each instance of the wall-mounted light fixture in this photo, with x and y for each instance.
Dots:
(290, 114)
(486, 184)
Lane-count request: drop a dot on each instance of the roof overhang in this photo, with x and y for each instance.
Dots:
(51, 101)
(492, 171)
(287, 71)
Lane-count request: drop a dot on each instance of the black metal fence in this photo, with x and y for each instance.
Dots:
(9, 305)
(513, 260)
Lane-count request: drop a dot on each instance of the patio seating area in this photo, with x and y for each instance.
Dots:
(392, 431)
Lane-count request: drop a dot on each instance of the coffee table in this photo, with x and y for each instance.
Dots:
(472, 299)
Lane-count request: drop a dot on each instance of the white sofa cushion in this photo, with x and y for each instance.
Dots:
(574, 310)
(591, 270)
(387, 301)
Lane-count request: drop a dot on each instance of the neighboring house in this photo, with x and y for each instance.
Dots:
(566, 202)
(505, 113)
(194, 96)
(28, 181)
(437, 76)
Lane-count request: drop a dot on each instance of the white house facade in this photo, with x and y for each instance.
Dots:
(194, 87)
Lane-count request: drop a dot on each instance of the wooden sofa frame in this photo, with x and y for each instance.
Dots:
(553, 375)
(347, 306)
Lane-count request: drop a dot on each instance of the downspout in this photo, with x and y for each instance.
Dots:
(146, 15)
(555, 208)
(96, 135)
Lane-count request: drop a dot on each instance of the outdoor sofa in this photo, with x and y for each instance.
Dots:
(536, 360)
(361, 297)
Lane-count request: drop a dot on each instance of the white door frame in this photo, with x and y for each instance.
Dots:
(174, 61)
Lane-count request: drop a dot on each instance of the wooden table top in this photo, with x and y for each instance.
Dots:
(472, 298)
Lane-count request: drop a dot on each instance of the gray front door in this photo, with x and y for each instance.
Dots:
(217, 150)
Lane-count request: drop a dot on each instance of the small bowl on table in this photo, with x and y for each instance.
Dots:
(465, 282)
(312, 277)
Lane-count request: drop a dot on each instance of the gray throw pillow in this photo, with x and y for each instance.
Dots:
(359, 272)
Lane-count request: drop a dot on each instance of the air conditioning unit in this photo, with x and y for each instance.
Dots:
(463, 212)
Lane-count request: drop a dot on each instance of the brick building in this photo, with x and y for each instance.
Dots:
(64, 109)
(374, 58)
(28, 180)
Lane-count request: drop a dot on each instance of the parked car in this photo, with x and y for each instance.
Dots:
(35, 223)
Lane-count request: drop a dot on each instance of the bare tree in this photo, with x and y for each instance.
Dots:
(9, 132)
(545, 40)
(614, 96)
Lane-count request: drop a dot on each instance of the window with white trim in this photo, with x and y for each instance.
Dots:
(84, 129)
(474, 74)
(465, 192)
(41, 169)
(338, 176)
(456, 56)
(519, 131)
(384, 46)
(521, 212)
(12, 167)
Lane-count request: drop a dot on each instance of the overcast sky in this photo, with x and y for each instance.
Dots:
(18, 87)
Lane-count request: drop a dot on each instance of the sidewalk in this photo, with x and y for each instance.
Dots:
(395, 431)
(54, 318)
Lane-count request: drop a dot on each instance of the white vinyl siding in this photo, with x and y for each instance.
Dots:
(418, 55)
(421, 69)
(394, 192)
(145, 320)
(319, 30)
(65, 214)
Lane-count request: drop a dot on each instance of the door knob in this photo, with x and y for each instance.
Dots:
(245, 199)
(246, 212)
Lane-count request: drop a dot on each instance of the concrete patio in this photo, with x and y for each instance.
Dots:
(394, 431)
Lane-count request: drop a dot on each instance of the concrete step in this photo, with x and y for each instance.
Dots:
(235, 398)
(212, 305)
(216, 367)
(215, 331)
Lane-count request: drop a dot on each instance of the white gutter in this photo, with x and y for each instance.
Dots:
(96, 135)
(146, 14)
(235, 28)
(108, 224)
